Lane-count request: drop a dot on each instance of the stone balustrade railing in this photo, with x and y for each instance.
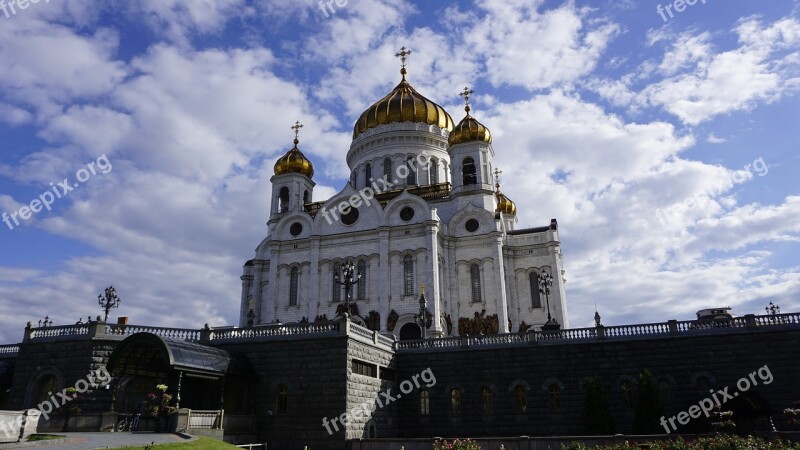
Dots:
(10, 349)
(99, 330)
(602, 333)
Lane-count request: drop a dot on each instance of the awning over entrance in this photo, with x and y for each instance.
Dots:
(147, 354)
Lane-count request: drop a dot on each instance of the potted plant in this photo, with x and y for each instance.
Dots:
(159, 405)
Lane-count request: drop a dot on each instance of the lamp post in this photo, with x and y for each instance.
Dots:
(545, 282)
(421, 318)
(110, 300)
(772, 309)
(347, 278)
(47, 322)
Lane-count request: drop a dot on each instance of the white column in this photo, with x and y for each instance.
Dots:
(500, 294)
(433, 279)
(384, 280)
(244, 309)
(313, 282)
(258, 301)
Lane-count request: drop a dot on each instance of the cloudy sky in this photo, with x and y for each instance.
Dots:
(665, 143)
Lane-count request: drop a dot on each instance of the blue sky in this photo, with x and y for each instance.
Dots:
(667, 150)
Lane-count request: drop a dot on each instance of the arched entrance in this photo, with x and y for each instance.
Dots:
(193, 373)
(410, 331)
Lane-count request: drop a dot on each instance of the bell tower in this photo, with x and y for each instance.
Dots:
(292, 186)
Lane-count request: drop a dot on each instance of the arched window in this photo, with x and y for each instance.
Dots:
(408, 275)
(554, 393)
(362, 283)
(468, 173)
(47, 386)
(626, 392)
(337, 288)
(522, 401)
(283, 399)
(446, 172)
(411, 178)
(293, 282)
(283, 200)
(455, 402)
(424, 403)
(306, 197)
(475, 282)
(367, 174)
(434, 171)
(487, 402)
(536, 300)
(354, 179)
(387, 168)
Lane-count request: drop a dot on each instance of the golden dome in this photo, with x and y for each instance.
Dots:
(403, 104)
(469, 129)
(294, 161)
(504, 204)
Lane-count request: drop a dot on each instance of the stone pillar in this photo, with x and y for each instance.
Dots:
(271, 302)
(433, 270)
(500, 293)
(314, 288)
(247, 281)
(258, 301)
(384, 279)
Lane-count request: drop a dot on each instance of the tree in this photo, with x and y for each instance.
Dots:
(597, 418)
(649, 407)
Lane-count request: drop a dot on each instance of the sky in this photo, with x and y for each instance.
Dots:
(138, 137)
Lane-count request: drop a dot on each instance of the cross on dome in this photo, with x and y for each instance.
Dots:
(296, 127)
(466, 94)
(402, 54)
(497, 173)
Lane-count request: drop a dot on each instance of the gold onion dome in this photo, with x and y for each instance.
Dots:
(469, 129)
(504, 204)
(403, 104)
(294, 161)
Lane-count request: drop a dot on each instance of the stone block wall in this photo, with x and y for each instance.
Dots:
(680, 361)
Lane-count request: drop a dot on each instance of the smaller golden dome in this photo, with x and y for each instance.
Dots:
(469, 129)
(294, 161)
(504, 204)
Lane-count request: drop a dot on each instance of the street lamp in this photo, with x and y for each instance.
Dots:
(110, 300)
(421, 318)
(545, 282)
(347, 278)
(772, 309)
(47, 322)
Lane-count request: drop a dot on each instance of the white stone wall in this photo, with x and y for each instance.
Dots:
(436, 236)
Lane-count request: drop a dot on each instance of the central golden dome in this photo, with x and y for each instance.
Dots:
(403, 104)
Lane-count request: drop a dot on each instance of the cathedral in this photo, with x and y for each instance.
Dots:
(422, 215)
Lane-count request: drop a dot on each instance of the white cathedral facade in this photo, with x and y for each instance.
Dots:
(421, 214)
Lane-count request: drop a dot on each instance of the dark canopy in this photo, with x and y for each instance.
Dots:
(151, 355)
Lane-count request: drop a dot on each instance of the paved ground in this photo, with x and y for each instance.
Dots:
(88, 441)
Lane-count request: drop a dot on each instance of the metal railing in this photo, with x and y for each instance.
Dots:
(205, 420)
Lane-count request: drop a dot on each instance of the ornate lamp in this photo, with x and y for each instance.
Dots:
(545, 282)
(110, 300)
(421, 318)
(347, 278)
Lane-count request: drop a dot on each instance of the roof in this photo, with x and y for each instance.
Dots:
(149, 354)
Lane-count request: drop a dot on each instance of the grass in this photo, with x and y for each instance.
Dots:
(202, 443)
(43, 437)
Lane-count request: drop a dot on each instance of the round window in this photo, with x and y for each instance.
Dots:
(472, 225)
(351, 217)
(296, 229)
(407, 213)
